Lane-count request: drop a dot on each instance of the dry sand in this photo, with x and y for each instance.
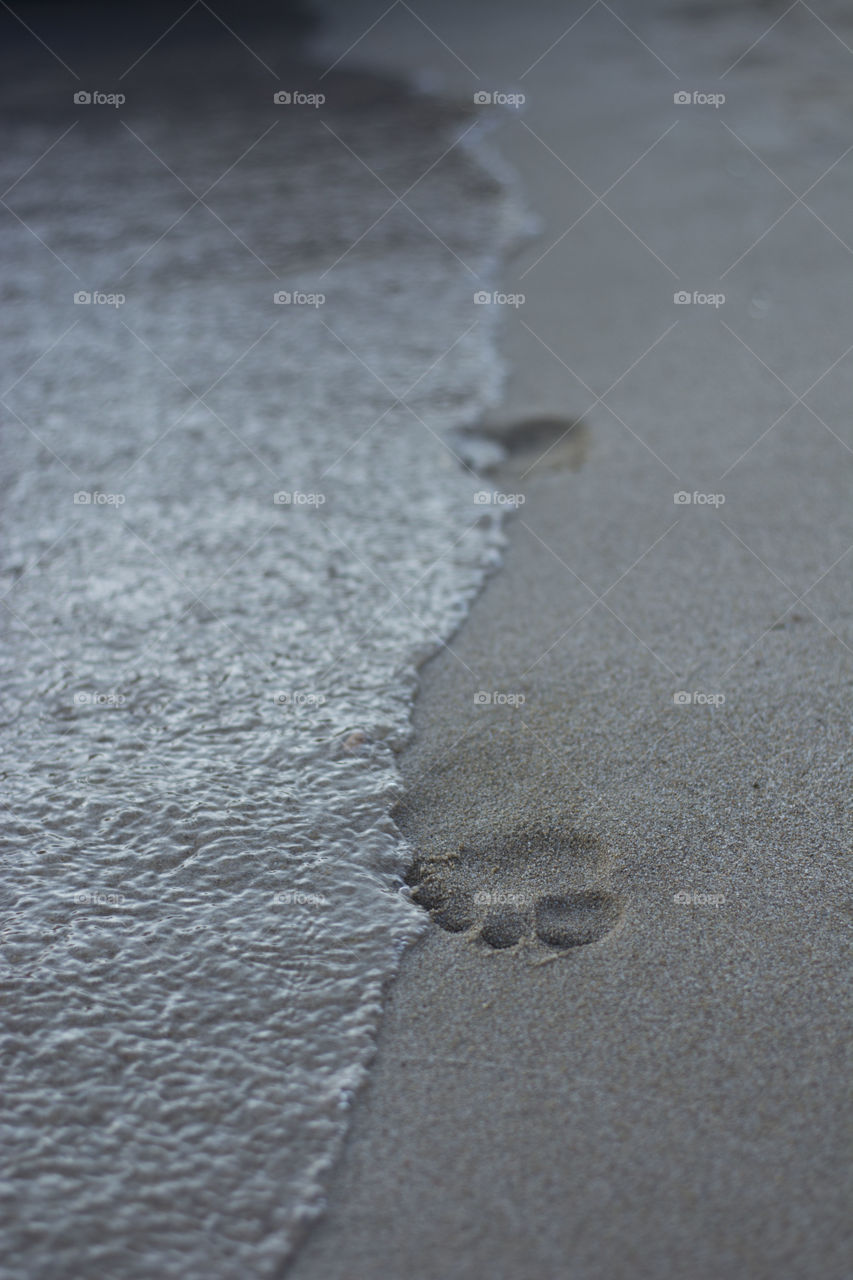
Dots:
(668, 1097)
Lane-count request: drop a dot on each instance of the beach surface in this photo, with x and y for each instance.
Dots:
(620, 1051)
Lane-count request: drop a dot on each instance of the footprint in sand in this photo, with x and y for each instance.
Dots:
(531, 887)
(529, 446)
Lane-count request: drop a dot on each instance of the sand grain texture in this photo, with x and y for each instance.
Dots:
(665, 1098)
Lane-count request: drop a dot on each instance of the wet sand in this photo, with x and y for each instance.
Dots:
(620, 1052)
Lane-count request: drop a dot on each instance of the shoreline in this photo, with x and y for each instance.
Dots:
(630, 1102)
(208, 682)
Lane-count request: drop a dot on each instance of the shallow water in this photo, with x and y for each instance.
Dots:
(204, 687)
